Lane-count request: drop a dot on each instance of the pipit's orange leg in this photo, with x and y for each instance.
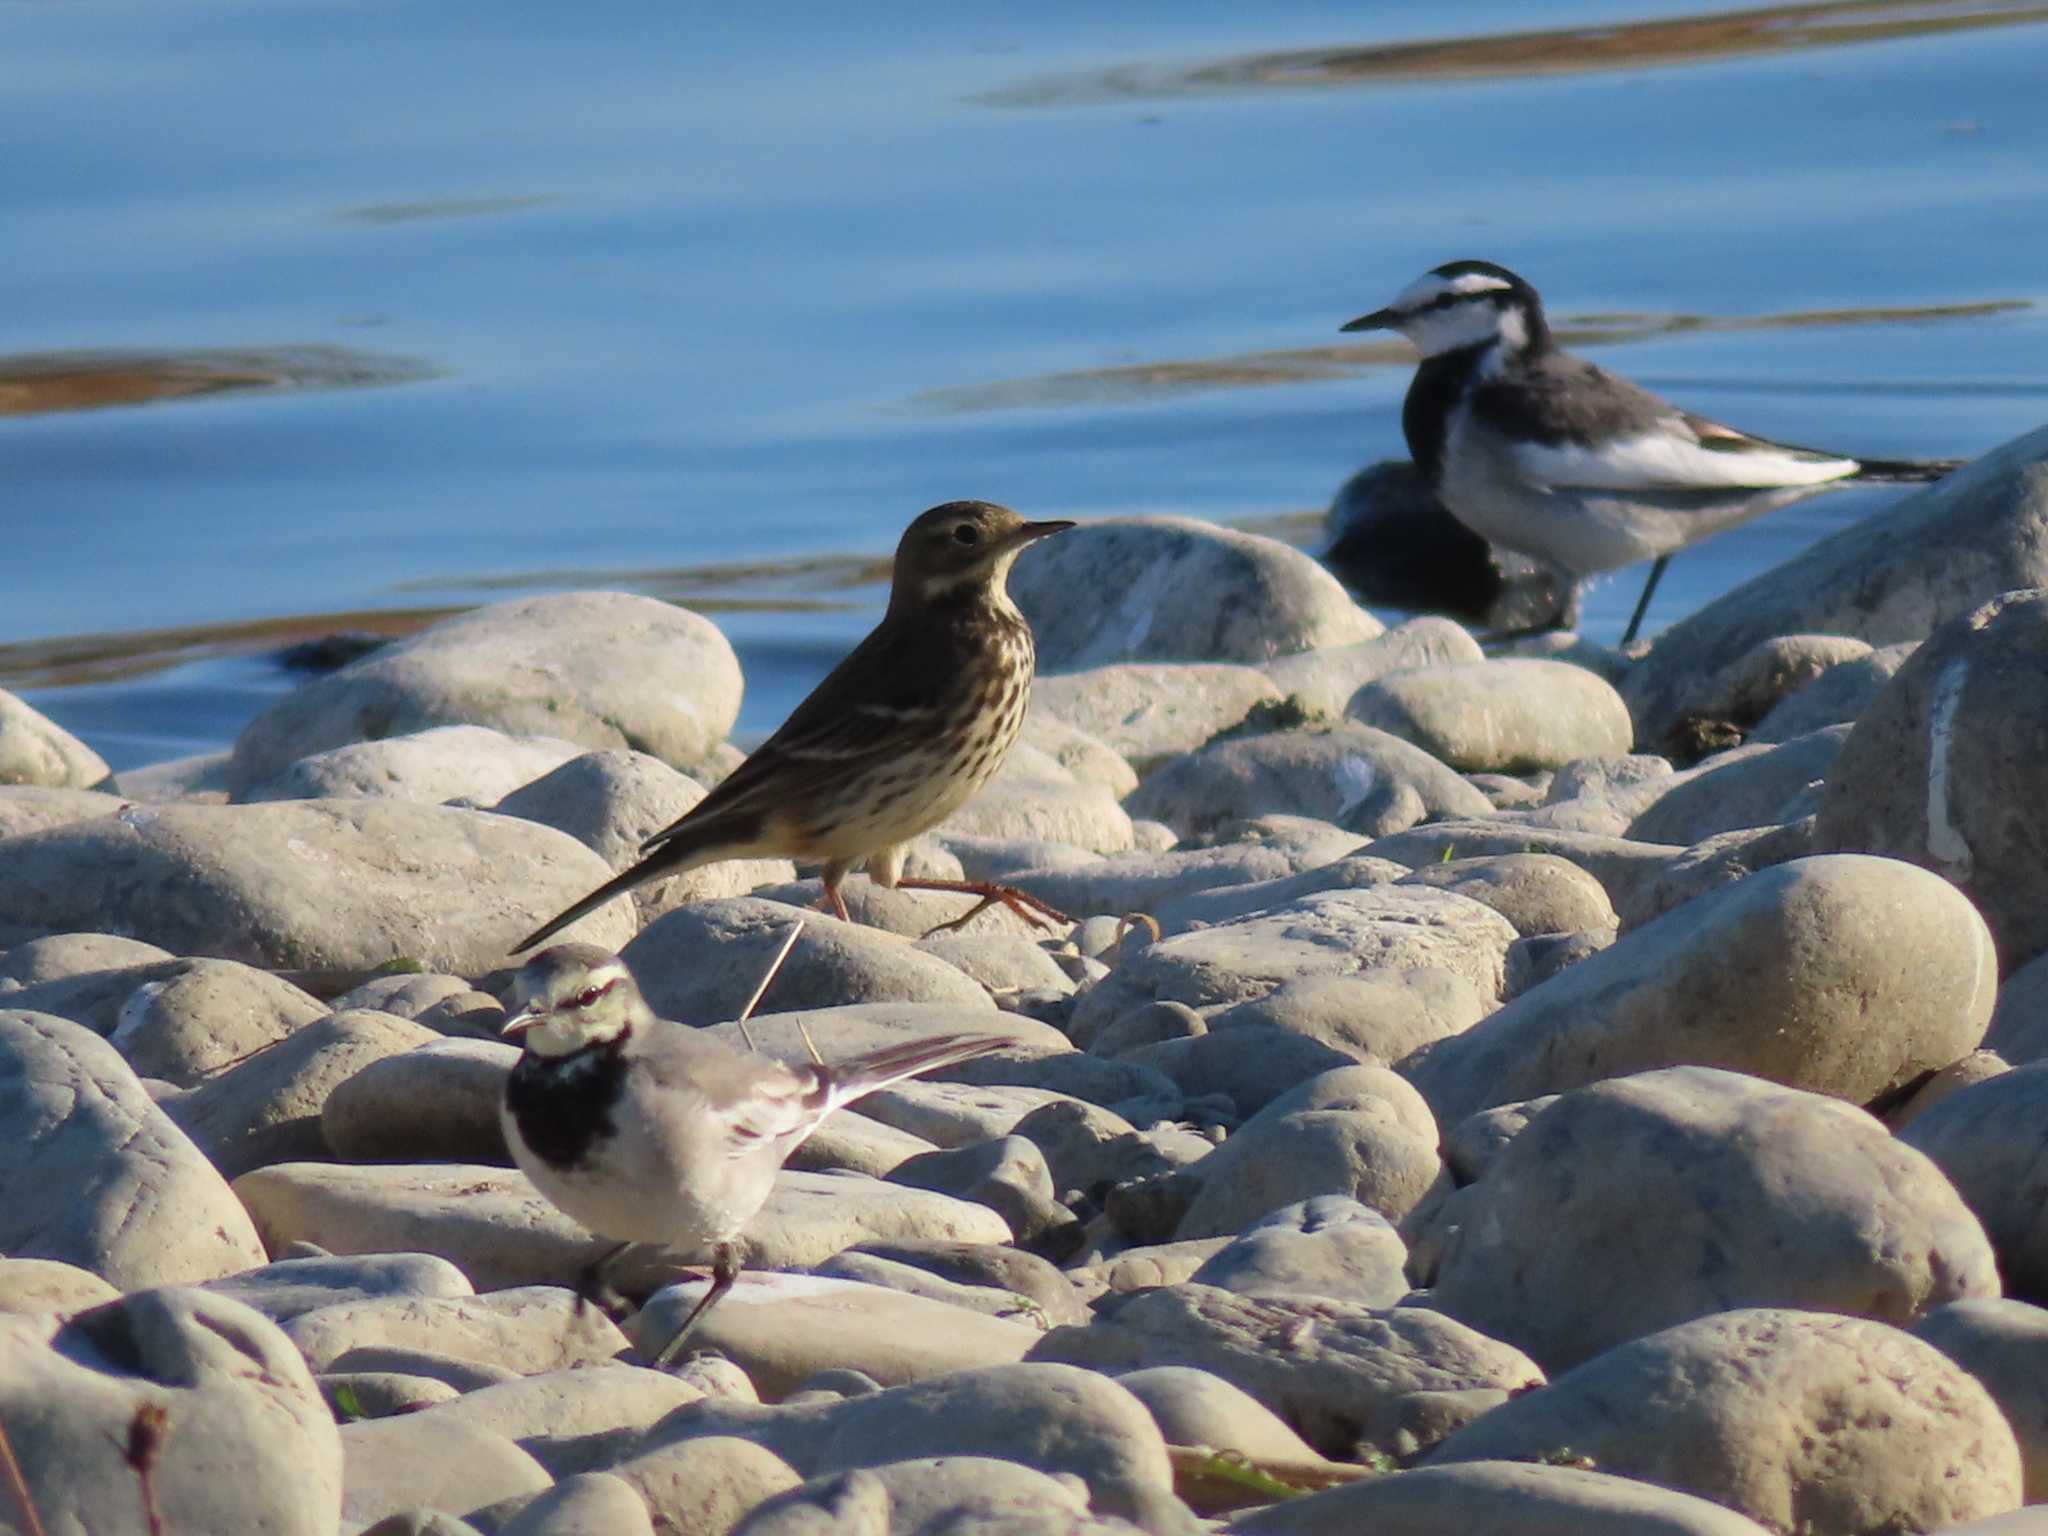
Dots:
(1039, 914)
(832, 902)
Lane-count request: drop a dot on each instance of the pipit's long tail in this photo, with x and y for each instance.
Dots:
(673, 855)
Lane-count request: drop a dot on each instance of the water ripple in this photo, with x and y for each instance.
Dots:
(1301, 365)
(1663, 43)
(35, 382)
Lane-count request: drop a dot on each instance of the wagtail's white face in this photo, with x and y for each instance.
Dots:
(1460, 304)
(570, 997)
(964, 544)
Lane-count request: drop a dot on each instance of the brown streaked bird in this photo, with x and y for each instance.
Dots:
(651, 1132)
(917, 717)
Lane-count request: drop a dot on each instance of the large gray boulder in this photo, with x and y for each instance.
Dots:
(235, 1433)
(1633, 1205)
(1054, 1418)
(1801, 1420)
(267, 1109)
(1350, 774)
(1625, 869)
(36, 750)
(96, 1175)
(1232, 903)
(494, 1226)
(1839, 696)
(612, 802)
(1330, 933)
(1935, 556)
(1342, 1375)
(1540, 893)
(1357, 1131)
(447, 762)
(1322, 681)
(2019, 1024)
(2004, 1344)
(1842, 974)
(1497, 1498)
(701, 963)
(394, 1476)
(1991, 1139)
(1034, 796)
(784, 1329)
(1154, 882)
(929, 1495)
(1377, 1016)
(1750, 786)
(1178, 589)
(603, 669)
(437, 1103)
(33, 807)
(1508, 715)
(1325, 1246)
(63, 957)
(285, 1288)
(1949, 768)
(206, 1016)
(1088, 758)
(1152, 711)
(337, 884)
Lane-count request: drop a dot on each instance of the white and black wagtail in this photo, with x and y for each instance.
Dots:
(1545, 454)
(648, 1131)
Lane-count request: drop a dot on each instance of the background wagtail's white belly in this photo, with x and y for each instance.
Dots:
(1586, 530)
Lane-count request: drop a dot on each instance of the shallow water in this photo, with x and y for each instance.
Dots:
(322, 309)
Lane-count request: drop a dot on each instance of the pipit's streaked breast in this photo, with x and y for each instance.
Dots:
(919, 716)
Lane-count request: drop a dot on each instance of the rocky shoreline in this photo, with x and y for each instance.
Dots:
(1566, 1091)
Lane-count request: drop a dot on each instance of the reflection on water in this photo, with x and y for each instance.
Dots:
(442, 208)
(759, 586)
(1137, 381)
(1664, 42)
(34, 383)
(801, 585)
(133, 653)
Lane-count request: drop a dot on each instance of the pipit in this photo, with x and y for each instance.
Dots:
(917, 717)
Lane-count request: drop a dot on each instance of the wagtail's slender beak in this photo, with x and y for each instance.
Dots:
(1032, 532)
(519, 1023)
(1378, 320)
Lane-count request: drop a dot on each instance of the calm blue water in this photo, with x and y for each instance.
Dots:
(697, 284)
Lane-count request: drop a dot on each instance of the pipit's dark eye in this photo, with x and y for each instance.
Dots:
(1444, 300)
(967, 533)
(586, 997)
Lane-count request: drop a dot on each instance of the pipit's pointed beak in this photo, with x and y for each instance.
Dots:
(1378, 320)
(519, 1023)
(1032, 532)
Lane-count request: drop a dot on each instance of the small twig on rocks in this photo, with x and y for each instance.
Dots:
(235, 1061)
(767, 979)
(17, 1485)
(145, 1444)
